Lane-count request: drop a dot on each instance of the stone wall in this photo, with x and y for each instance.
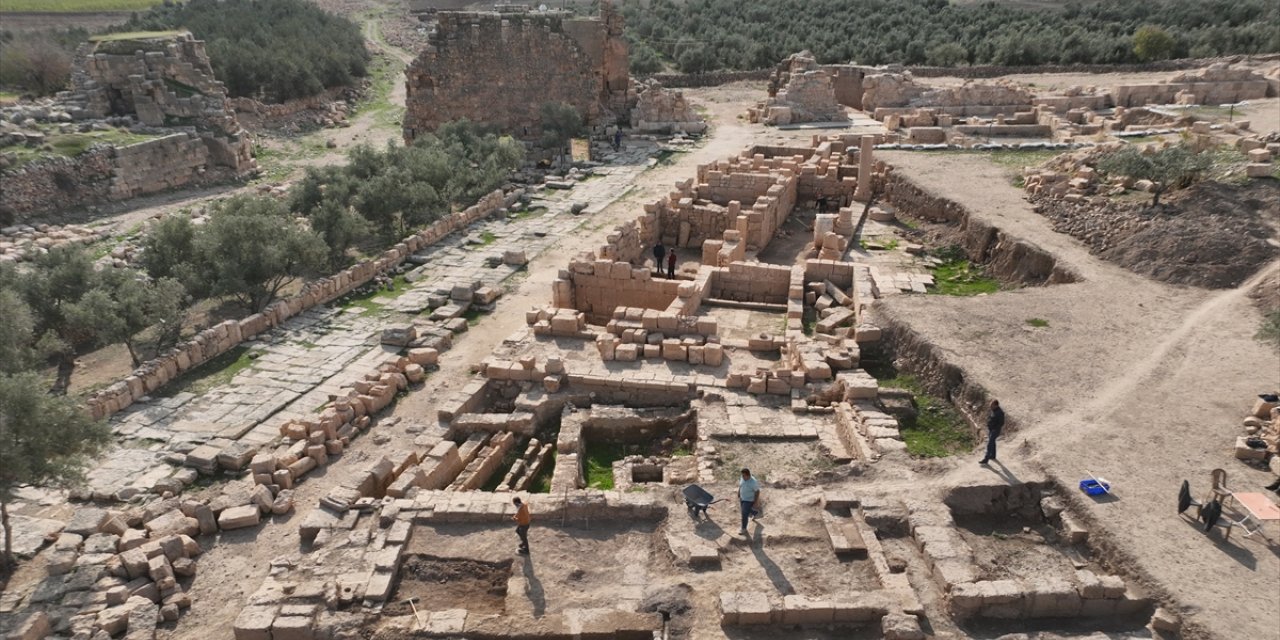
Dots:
(216, 340)
(599, 286)
(105, 173)
(57, 183)
(499, 68)
(1219, 84)
(751, 282)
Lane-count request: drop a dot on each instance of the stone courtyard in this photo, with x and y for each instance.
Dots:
(342, 464)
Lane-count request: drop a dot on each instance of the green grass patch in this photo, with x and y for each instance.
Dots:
(938, 429)
(956, 276)
(70, 145)
(961, 278)
(214, 373)
(487, 238)
(599, 463)
(472, 316)
(375, 300)
(74, 6)
(1038, 322)
(527, 213)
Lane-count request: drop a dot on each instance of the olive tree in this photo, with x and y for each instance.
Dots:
(44, 440)
(1171, 168)
(252, 247)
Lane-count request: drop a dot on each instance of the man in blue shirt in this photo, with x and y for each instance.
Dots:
(748, 496)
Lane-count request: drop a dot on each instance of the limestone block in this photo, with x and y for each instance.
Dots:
(900, 626)
(1258, 170)
(35, 627)
(172, 522)
(798, 609)
(236, 455)
(858, 607)
(239, 517)
(292, 628)
(754, 608)
(262, 498)
(87, 521)
(424, 356)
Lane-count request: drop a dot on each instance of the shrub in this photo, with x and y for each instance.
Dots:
(275, 51)
(38, 62)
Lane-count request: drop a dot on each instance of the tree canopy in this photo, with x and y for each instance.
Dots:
(44, 440)
(700, 35)
(400, 187)
(273, 51)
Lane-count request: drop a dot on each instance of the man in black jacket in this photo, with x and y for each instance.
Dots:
(659, 252)
(995, 422)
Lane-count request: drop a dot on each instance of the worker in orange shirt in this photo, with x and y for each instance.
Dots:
(522, 519)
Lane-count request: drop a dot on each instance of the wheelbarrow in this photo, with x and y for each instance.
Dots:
(696, 500)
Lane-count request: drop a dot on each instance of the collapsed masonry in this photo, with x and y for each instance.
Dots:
(499, 68)
(800, 90)
(155, 85)
(939, 115)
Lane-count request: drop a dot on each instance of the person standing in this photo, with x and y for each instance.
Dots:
(522, 518)
(995, 422)
(671, 264)
(659, 252)
(748, 497)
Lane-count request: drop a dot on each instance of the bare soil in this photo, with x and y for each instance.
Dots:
(1012, 548)
(1134, 380)
(1212, 234)
(449, 583)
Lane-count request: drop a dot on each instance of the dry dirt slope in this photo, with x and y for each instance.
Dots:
(1137, 381)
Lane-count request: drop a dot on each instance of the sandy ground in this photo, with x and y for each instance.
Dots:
(1133, 380)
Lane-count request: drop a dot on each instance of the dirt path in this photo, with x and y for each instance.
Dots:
(1140, 382)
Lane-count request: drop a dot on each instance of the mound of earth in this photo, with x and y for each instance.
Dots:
(1212, 235)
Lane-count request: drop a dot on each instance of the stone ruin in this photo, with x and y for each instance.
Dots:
(500, 67)
(159, 86)
(958, 115)
(1217, 84)
(682, 392)
(800, 90)
(660, 110)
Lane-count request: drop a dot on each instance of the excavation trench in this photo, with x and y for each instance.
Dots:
(1011, 260)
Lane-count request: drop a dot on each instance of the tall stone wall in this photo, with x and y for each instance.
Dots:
(500, 68)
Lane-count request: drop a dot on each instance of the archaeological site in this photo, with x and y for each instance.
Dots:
(595, 320)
